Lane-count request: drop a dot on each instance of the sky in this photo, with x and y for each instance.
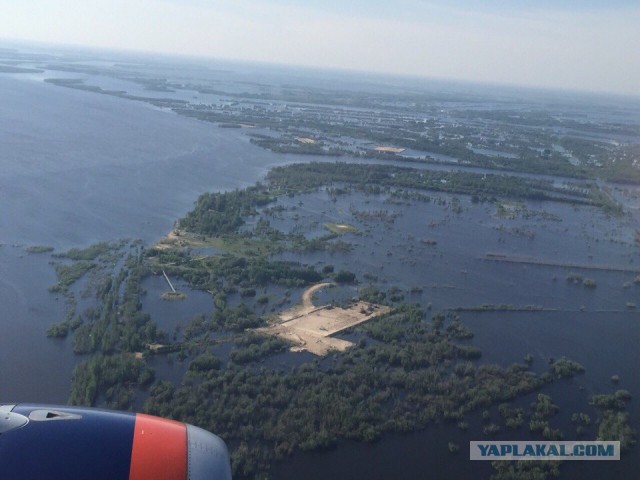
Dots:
(587, 45)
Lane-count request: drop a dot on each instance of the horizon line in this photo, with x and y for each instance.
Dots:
(185, 56)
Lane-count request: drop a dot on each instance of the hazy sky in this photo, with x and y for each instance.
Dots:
(574, 44)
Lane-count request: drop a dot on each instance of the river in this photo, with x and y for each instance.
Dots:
(77, 167)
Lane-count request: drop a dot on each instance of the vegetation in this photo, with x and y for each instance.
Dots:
(90, 253)
(69, 274)
(204, 363)
(400, 383)
(525, 470)
(253, 347)
(541, 410)
(513, 417)
(112, 376)
(582, 424)
(378, 178)
(118, 324)
(39, 249)
(405, 372)
(565, 368)
(344, 276)
(614, 401)
(235, 319)
(58, 330)
(614, 423)
(616, 426)
(221, 213)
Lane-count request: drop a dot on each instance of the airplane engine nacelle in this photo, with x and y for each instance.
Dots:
(67, 443)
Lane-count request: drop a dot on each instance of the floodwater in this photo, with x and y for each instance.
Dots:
(77, 168)
(440, 251)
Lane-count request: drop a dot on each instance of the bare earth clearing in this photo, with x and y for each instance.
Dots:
(173, 239)
(388, 149)
(311, 328)
(306, 140)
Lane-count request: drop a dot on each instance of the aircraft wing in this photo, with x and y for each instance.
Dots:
(67, 443)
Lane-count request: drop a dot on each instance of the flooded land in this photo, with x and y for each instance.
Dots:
(341, 276)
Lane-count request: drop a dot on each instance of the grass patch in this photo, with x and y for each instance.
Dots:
(173, 296)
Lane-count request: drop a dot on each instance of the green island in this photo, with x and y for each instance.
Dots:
(407, 369)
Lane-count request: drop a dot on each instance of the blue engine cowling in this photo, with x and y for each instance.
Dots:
(40, 442)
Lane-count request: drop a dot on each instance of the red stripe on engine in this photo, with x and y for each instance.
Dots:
(159, 449)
